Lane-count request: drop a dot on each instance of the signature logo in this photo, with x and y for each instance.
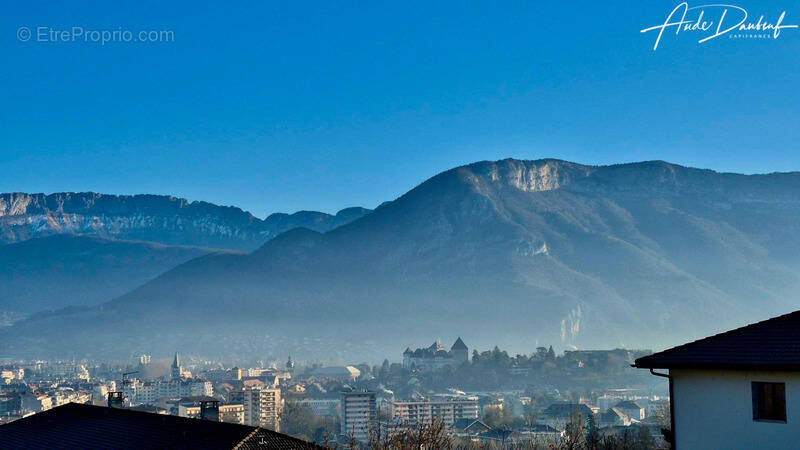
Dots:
(713, 21)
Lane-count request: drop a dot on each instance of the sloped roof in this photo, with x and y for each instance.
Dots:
(85, 426)
(436, 346)
(538, 428)
(465, 424)
(337, 371)
(567, 409)
(612, 414)
(628, 404)
(459, 345)
(772, 344)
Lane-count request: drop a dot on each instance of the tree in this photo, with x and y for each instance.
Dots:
(297, 419)
(664, 421)
(574, 438)
(592, 433)
(551, 355)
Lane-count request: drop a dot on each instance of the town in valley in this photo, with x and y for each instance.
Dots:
(484, 396)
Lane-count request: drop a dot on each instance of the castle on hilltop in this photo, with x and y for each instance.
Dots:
(436, 356)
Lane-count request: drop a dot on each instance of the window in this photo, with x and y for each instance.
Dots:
(769, 401)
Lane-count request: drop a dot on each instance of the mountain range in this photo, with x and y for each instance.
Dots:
(516, 253)
(157, 218)
(71, 249)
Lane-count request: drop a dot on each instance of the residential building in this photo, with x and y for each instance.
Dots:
(232, 413)
(631, 408)
(262, 406)
(36, 401)
(558, 415)
(738, 389)
(62, 397)
(359, 414)
(605, 402)
(613, 417)
(10, 402)
(223, 413)
(436, 356)
(324, 407)
(447, 409)
(468, 427)
(148, 392)
(540, 432)
(341, 373)
(69, 370)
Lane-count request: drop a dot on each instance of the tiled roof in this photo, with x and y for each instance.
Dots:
(773, 344)
(85, 426)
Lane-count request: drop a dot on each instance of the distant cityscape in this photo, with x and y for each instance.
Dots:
(483, 396)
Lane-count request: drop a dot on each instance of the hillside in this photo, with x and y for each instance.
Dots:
(516, 253)
(65, 270)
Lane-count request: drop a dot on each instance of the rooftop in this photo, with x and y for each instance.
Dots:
(85, 426)
(459, 345)
(630, 404)
(567, 410)
(773, 344)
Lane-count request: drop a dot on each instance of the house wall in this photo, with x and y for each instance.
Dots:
(714, 410)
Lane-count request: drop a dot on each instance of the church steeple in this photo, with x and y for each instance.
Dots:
(176, 369)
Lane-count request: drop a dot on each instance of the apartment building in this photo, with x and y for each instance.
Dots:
(147, 392)
(262, 407)
(359, 414)
(447, 409)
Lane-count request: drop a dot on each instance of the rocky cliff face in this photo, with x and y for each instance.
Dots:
(164, 219)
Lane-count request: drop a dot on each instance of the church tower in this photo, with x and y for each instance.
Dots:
(176, 369)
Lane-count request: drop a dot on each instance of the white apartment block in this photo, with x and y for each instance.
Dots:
(359, 414)
(147, 392)
(262, 407)
(447, 410)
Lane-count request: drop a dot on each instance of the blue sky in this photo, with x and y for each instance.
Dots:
(314, 105)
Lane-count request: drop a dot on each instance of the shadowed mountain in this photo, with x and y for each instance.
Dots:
(157, 218)
(516, 253)
(64, 270)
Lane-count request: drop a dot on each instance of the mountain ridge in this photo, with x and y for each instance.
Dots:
(146, 217)
(511, 251)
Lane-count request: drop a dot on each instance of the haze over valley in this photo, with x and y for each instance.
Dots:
(514, 253)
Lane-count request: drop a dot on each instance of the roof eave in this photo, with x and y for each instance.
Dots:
(718, 366)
